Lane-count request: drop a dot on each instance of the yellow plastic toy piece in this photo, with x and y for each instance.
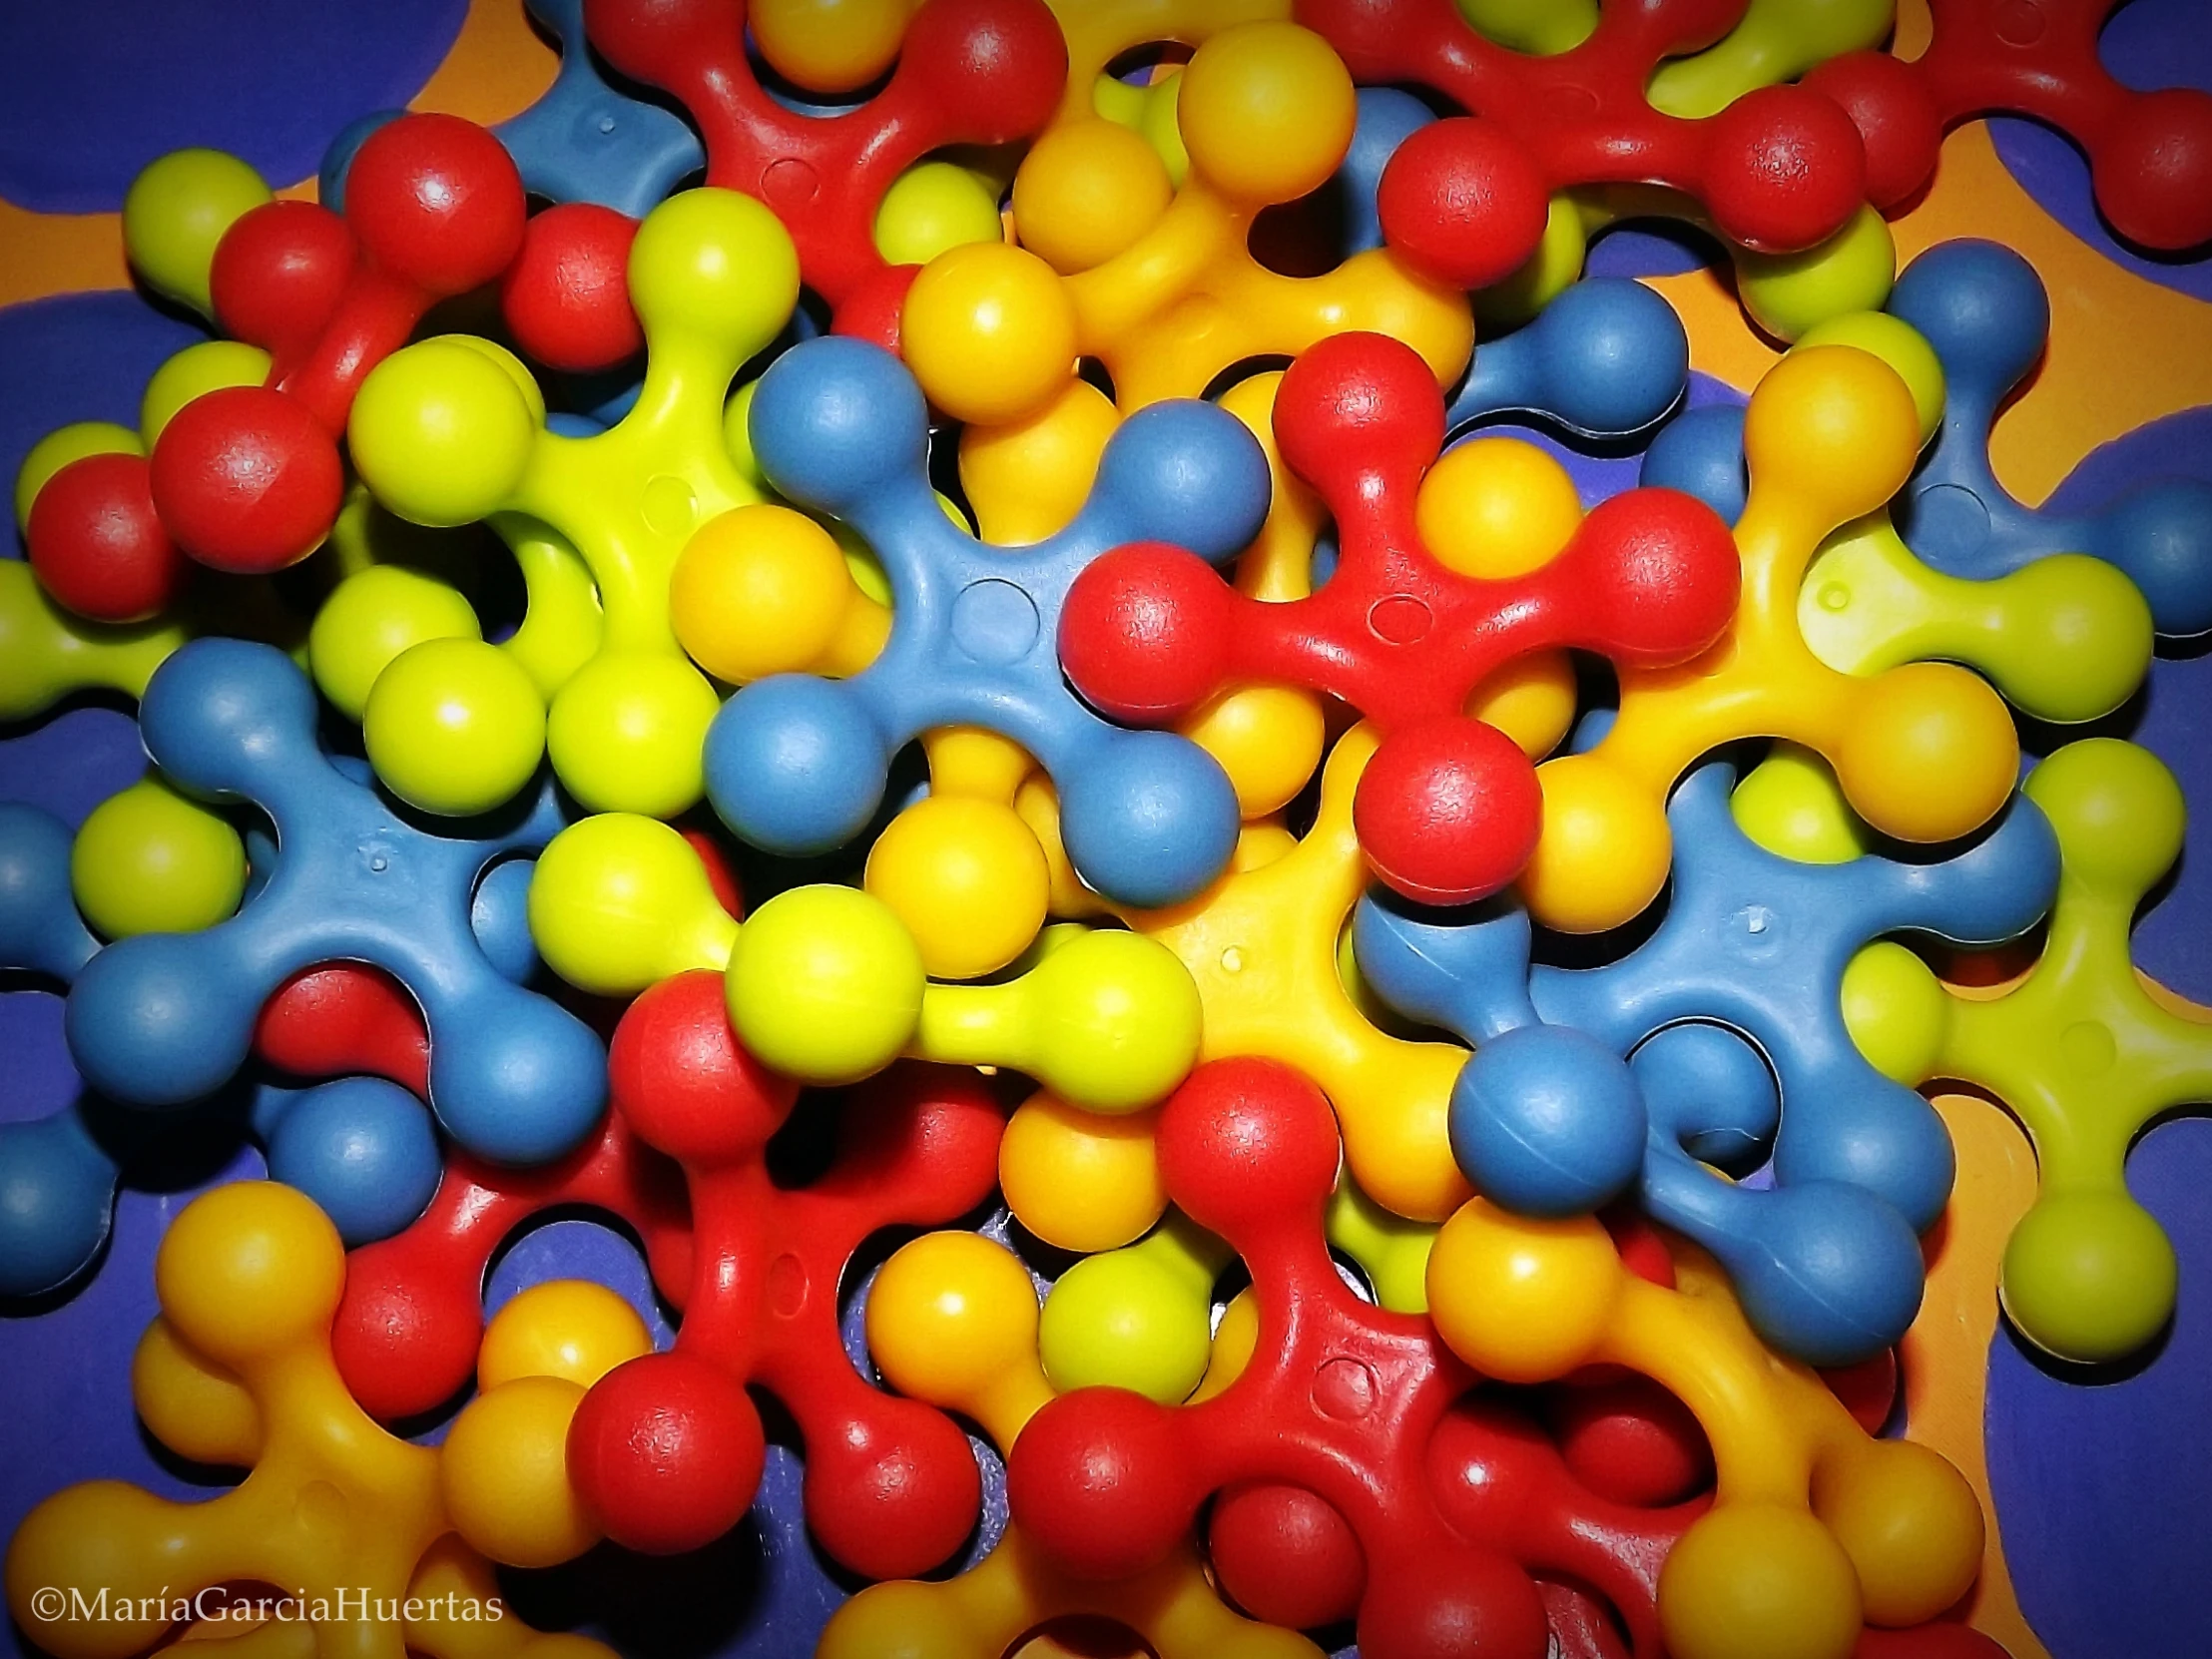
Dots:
(454, 430)
(2084, 1051)
(1077, 1180)
(953, 1319)
(1925, 752)
(1167, 299)
(453, 1580)
(149, 860)
(1099, 32)
(1149, 110)
(237, 1368)
(1815, 1526)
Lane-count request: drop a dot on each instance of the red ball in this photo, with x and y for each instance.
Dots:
(1096, 1481)
(1285, 1556)
(565, 296)
(247, 480)
(1356, 405)
(1669, 571)
(1629, 1439)
(279, 272)
(1785, 170)
(893, 1501)
(1898, 127)
(1001, 63)
(683, 1080)
(721, 875)
(2152, 169)
(98, 546)
(1144, 632)
(1448, 811)
(404, 1341)
(873, 310)
(666, 1453)
(1488, 1608)
(1464, 203)
(1244, 1141)
(347, 1017)
(436, 201)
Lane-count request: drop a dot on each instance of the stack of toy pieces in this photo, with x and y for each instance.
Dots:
(1018, 522)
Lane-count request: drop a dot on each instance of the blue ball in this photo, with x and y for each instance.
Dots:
(149, 1022)
(499, 916)
(1183, 472)
(2161, 537)
(1826, 1272)
(796, 765)
(1981, 306)
(1149, 819)
(1715, 1089)
(362, 1149)
(1547, 1121)
(57, 1193)
(835, 420)
(1614, 356)
(1701, 452)
(522, 1089)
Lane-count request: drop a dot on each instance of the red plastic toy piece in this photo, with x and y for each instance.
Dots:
(969, 71)
(666, 1451)
(1775, 170)
(1349, 1405)
(1449, 809)
(566, 298)
(344, 1020)
(2150, 152)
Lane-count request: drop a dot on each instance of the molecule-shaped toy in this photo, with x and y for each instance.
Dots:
(2150, 151)
(978, 72)
(454, 430)
(666, 1449)
(1926, 752)
(1815, 1525)
(164, 1018)
(796, 764)
(1411, 624)
(1547, 1120)
(2083, 1051)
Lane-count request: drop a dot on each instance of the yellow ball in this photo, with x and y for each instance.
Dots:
(1079, 1180)
(1911, 1525)
(619, 902)
(904, 1619)
(1931, 753)
(1833, 431)
(1269, 738)
(1532, 700)
(63, 444)
(758, 591)
(1114, 1021)
(2090, 1276)
(248, 1271)
(1087, 190)
(989, 332)
(194, 1406)
(443, 432)
(371, 619)
(1267, 112)
(176, 212)
(1497, 508)
(1897, 344)
(1521, 1300)
(829, 45)
(566, 1328)
(98, 1535)
(504, 1472)
(931, 207)
(1789, 294)
(950, 1315)
(825, 984)
(1758, 1581)
(211, 365)
(628, 731)
(1028, 479)
(967, 878)
(1126, 1320)
(454, 726)
(1605, 847)
(148, 860)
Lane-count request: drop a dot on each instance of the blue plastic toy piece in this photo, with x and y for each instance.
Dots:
(1826, 1261)
(166, 1018)
(796, 765)
(1701, 452)
(581, 142)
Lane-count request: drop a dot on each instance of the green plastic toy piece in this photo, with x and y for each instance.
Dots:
(1137, 1317)
(45, 653)
(1777, 40)
(1393, 1251)
(2084, 1051)
(1542, 28)
(454, 430)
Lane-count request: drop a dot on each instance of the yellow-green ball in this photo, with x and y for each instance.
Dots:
(61, 446)
(1124, 1321)
(1789, 293)
(454, 726)
(443, 432)
(371, 618)
(628, 733)
(931, 208)
(825, 984)
(1895, 1011)
(177, 210)
(2090, 1276)
(148, 860)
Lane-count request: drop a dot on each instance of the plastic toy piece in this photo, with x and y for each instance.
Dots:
(46, 655)
(2149, 151)
(1448, 811)
(1825, 1263)
(666, 1449)
(1099, 34)
(1606, 359)
(1342, 1400)
(2084, 1051)
(1925, 752)
(166, 1018)
(1984, 309)
(1773, 168)
(798, 764)
(237, 1370)
(455, 429)
(969, 71)
(1815, 1526)
(1159, 283)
